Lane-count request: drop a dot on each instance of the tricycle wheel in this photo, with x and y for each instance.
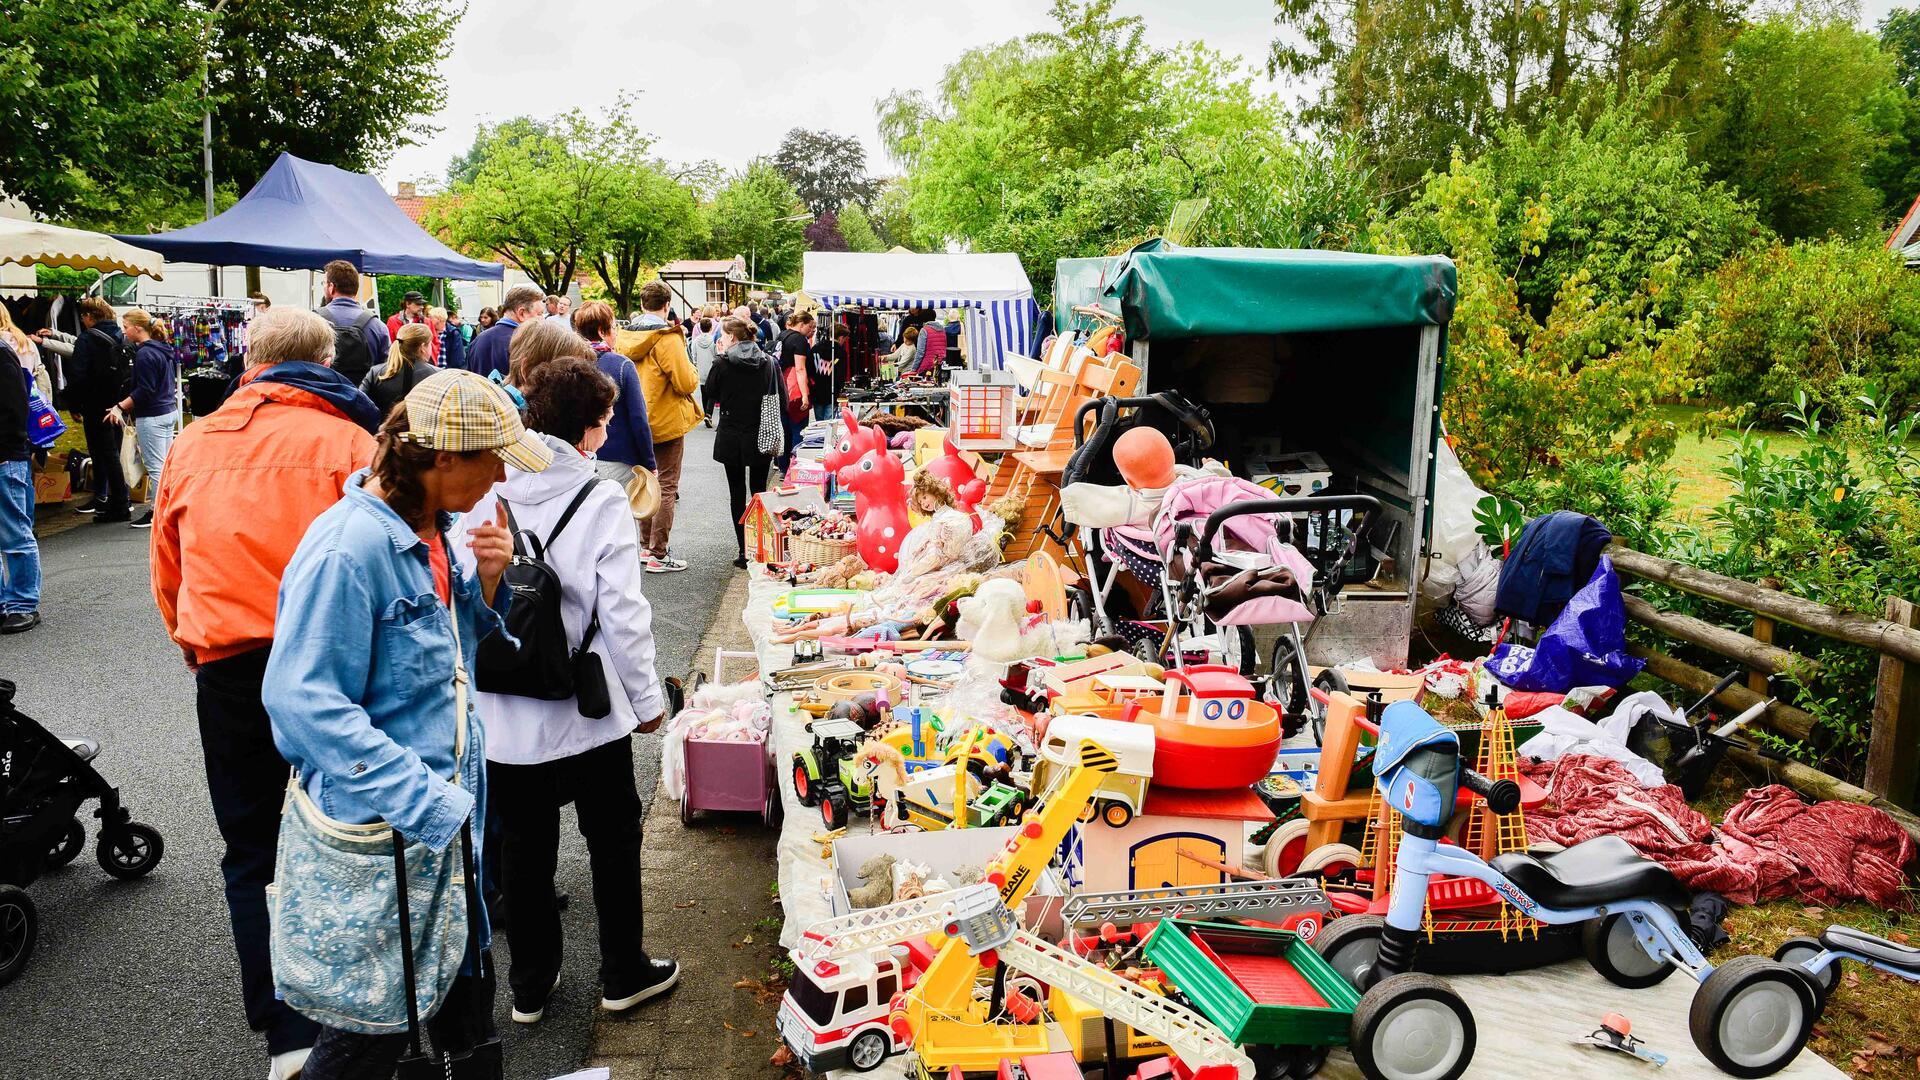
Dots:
(129, 851)
(1412, 1026)
(19, 930)
(835, 810)
(803, 783)
(1752, 1016)
(72, 842)
(1796, 951)
(1614, 951)
(1286, 847)
(1350, 945)
(1330, 860)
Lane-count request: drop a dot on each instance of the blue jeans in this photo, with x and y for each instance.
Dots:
(823, 410)
(19, 551)
(153, 436)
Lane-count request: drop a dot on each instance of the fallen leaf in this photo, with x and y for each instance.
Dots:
(1850, 979)
(781, 1057)
(748, 940)
(1900, 936)
(1878, 1044)
(748, 1034)
(1814, 912)
(1820, 1031)
(728, 1024)
(684, 903)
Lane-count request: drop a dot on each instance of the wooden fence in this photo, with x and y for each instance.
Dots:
(1892, 779)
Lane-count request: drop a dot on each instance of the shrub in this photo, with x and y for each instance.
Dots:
(1823, 318)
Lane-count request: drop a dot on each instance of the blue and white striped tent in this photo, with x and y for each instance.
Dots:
(990, 288)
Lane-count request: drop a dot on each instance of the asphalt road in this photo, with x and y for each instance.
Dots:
(139, 979)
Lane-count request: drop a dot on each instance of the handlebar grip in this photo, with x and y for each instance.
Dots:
(1503, 796)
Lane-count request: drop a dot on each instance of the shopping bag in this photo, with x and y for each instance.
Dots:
(43, 424)
(130, 464)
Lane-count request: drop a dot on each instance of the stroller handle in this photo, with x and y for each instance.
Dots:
(1202, 430)
(1294, 504)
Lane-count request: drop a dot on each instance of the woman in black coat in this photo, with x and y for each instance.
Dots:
(742, 375)
(408, 363)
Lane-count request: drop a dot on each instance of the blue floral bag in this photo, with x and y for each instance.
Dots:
(336, 913)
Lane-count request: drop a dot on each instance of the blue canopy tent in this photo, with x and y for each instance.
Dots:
(303, 215)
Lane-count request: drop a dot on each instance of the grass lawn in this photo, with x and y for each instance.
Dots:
(1697, 461)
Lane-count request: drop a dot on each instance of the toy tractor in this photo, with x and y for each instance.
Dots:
(826, 774)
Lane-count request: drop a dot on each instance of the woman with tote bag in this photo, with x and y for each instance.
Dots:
(369, 697)
(739, 388)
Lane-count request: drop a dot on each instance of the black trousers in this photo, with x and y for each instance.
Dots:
(743, 482)
(599, 782)
(247, 778)
(462, 1022)
(103, 446)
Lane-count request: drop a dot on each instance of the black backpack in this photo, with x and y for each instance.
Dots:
(112, 382)
(544, 666)
(351, 357)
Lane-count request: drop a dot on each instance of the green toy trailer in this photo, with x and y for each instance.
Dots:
(1266, 989)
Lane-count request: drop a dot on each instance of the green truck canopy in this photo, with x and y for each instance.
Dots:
(1165, 291)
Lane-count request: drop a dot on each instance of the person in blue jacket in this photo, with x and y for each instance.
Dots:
(151, 403)
(453, 338)
(629, 433)
(376, 630)
(488, 353)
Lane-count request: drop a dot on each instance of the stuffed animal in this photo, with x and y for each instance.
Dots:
(884, 524)
(877, 888)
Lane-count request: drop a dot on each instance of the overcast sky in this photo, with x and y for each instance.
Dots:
(726, 86)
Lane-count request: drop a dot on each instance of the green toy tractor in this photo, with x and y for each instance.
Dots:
(827, 775)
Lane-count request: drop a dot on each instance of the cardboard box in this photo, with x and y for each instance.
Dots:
(52, 486)
(947, 851)
(1301, 473)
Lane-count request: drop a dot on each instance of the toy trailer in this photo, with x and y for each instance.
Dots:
(1266, 989)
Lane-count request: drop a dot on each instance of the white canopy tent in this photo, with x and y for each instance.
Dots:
(32, 243)
(990, 288)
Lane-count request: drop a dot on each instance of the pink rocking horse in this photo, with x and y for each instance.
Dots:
(878, 481)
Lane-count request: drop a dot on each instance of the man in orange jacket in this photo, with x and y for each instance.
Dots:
(239, 490)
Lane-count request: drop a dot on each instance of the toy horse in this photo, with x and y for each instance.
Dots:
(878, 479)
(967, 486)
(851, 447)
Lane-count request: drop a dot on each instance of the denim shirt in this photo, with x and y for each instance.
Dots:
(360, 686)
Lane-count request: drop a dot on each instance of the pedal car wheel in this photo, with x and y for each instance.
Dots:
(686, 812)
(867, 1050)
(1328, 682)
(130, 851)
(1286, 847)
(1412, 1027)
(1752, 1016)
(1116, 814)
(803, 783)
(1330, 859)
(1796, 951)
(1614, 951)
(19, 930)
(72, 843)
(1350, 945)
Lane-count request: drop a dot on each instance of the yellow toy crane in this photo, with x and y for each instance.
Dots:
(949, 1029)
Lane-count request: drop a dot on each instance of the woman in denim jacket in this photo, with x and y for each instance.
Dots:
(361, 684)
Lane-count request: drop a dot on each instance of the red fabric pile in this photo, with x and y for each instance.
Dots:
(1772, 844)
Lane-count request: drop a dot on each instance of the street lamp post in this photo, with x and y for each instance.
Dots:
(206, 137)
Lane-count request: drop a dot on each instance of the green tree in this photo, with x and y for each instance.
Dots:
(1805, 111)
(828, 171)
(539, 201)
(1895, 171)
(466, 166)
(101, 100)
(339, 81)
(1624, 199)
(649, 218)
(856, 229)
(757, 214)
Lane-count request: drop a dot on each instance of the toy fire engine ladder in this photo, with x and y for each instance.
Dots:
(874, 928)
(1273, 899)
(1198, 1044)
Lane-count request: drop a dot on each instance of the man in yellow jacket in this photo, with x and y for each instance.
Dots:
(668, 380)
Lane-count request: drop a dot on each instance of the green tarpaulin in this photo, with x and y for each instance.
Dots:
(1166, 291)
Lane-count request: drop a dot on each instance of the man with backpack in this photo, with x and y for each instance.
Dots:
(360, 339)
(97, 378)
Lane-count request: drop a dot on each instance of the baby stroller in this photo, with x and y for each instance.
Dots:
(43, 781)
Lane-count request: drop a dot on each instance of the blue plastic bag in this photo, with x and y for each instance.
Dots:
(1586, 645)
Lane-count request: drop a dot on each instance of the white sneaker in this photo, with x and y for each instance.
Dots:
(664, 564)
(289, 1065)
(534, 1012)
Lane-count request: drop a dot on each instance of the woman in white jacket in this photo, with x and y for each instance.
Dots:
(542, 755)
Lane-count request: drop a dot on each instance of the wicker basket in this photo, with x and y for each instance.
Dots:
(811, 549)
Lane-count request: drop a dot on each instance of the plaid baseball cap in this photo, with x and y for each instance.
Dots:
(459, 411)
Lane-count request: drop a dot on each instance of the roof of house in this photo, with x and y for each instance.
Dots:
(700, 267)
(415, 207)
